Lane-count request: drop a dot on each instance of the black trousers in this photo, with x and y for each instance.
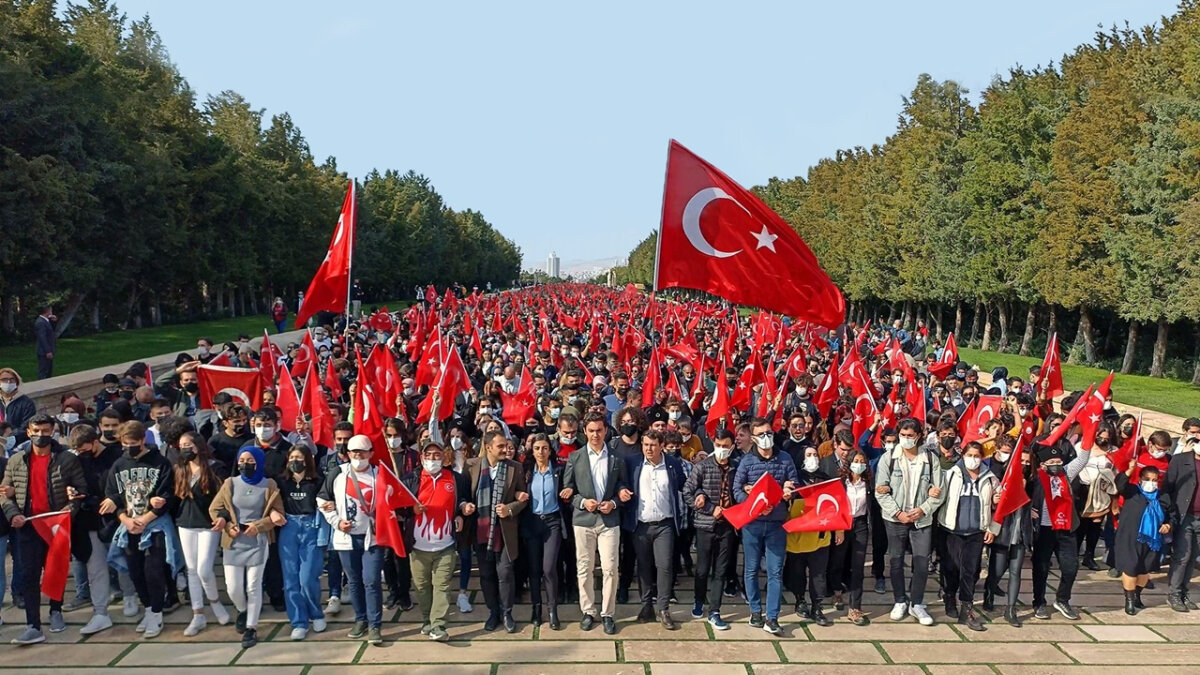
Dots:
(1088, 535)
(802, 570)
(714, 549)
(626, 561)
(1183, 554)
(1006, 558)
(273, 576)
(542, 538)
(397, 572)
(32, 560)
(45, 367)
(879, 539)
(495, 578)
(147, 569)
(1061, 544)
(847, 563)
(655, 547)
(960, 567)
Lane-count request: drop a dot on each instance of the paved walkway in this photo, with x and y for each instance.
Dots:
(1104, 640)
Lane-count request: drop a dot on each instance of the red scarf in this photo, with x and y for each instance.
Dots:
(1059, 502)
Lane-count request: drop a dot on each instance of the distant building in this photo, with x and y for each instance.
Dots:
(552, 265)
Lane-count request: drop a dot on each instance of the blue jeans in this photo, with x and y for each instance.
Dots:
(363, 568)
(761, 538)
(464, 568)
(302, 560)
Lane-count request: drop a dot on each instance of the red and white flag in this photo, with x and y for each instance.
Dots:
(331, 284)
(1050, 383)
(981, 411)
(826, 508)
(1093, 413)
(765, 494)
(243, 384)
(946, 362)
(55, 530)
(522, 405)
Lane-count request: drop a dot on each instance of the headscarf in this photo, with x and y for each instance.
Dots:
(260, 462)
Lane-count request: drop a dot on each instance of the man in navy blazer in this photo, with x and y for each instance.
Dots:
(655, 516)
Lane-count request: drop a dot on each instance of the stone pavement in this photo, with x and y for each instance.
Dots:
(1105, 640)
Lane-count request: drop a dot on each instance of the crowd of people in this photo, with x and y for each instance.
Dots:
(647, 419)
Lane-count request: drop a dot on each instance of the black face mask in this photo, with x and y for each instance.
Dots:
(132, 450)
(628, 429)
(340, 448)
(247, 470)
(1054, 469)
(296, 466)
(946, 442)
(109, 435)
(187, 455)
(239, 429)
(41, 441)
(127, 395)
(191, 387)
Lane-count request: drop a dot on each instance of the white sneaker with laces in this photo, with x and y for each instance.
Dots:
(921, 614)
(97, 623)
(154, 624)
(141, 626)
(899, 610)
(299, 634)
(334, 605)
(464, 604)
(319, 625)
(131, 605)
(198, 624)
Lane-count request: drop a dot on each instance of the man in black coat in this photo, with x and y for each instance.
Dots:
(43, 331)
(1180, 487)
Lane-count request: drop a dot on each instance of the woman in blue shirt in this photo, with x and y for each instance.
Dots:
(542, 527)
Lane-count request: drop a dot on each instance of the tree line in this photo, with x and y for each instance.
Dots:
(126, 202)
(1067, 200)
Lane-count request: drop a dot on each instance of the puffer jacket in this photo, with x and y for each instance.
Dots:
(752, 467)
(705, 479)
(64, 470)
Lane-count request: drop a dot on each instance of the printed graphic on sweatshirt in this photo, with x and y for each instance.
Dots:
(137, 484)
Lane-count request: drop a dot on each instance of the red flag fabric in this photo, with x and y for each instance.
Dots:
(764, 495)
(651, 379)
(430, 366)
(306, 353)
(329, 286)
(826, 508)
(1051, 382)
(390, 494)
(749, 255)
(221, 360)
(982, 410)
(288, 402)
(1012, 487)
(827, 394)
(1056, 435)
(863, 392)
(1093, 413)
(915, 398)
(315, 405)
(452, 382)
(946, 362)
(368, 418)
(55, 530)
(243, 384)
(268, 366)
(385, 377)
(332, 382)
(522, 405)
(720, 403)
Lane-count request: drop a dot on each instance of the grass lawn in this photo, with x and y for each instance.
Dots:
(102, 349)
(1169, 396)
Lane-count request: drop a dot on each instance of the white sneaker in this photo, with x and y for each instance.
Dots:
(319, 625)
(464, 604)
(131, 605)
(920, 614)
(141, 626)
(97, 623)
(334, 605)
(220, 612)
(299, 634)
(198, 624)
(154, 624)
(898, 611)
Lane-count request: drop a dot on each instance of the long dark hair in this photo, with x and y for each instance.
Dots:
(866, 476)
(209, 483)
(310, 464)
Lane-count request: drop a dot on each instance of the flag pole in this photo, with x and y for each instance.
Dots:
(353, 235)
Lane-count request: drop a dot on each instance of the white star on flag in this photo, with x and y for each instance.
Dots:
(766, 239)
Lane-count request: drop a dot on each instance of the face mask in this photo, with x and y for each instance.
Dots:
(1101, 442)
(889, 446)
(359, 464)
(1108, 405)
(946, 442)
(264, 434)
(340, 448)
(41, 441)
(408, 391)
(202, 351)
(1022, 412)
(296, 466)
(191, 387)
(394, 442)
(811, 464)
(187, 455)
(722, 454)
(1149, 486)
(109, 435)
(1053, 469)
(111, 390)
(1158, 454)
(132, 450)
(247, 470)
(764, 442)
(127, 395)
(555, 412)
(485, 411)
(674, 415)
(431, 466)
(907, 443)
(8, 387)
(801, 391)
(456, 443)
(9, 443)
(857, 468)
(628, 429)
(972, 463)
(70, 417)
(1002, 457)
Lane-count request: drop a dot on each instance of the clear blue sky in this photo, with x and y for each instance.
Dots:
(553, 118)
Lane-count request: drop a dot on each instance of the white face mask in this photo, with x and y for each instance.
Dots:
(202, 351)
(889, 446)
(722, 454)
(394, 443)
(70, 417)
(764, 442)
(811, 464)
(1108, 405)
(907, 443)
(686, 437)
(264, 434)
(675, 414)
(1158, 454)
(801, 391)
(1149, 485)
(431, 466)
(857, 468)
(972, 463)
(1022, 412)
(359, 464)
(408, 391)
(485, 411)
(1002, 457)
(8, 387)
(456, 443)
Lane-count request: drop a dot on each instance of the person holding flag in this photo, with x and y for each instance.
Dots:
(764, 536)
(807, 560)
(966, 516)
(1011, 527)
(1056, 513)
(42, 478)
(347, 500)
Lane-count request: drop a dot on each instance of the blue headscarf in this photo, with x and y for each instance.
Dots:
(1152, 519)
(260, 463)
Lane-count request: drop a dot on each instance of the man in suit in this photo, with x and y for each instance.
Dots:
(655, 518)
(596, 479)
(43, 331)
(497, 488)
(1184, 520)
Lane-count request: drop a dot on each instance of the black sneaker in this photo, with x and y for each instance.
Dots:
(358, 630)
(587, 622)
(1188, 601)
(391, 602)
(1066, 610)
(730, 590)
(772, 627)
(240, 624)
(1041, 612)
(249, 638)
(756, 620)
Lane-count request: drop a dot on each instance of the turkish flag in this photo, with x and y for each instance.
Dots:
(1051, 382)
(305, 354)
(332, 381)
(864, 399)
(651, 378)
(520, 406)
(368, 418)
(243, 384)
(749, 255)
(720, 403)
(221, 360)
(430, 365)
(1012, 487)
(946, 362)
(826, 508)
(797, 363)
(452, 382)
(1059, 431)
(315, 405)
(268, 366)
(382, 321)
(331, 283)
(385, 376)
(1093, 413)
(827, 394)
(390, 494)
(288, 402)
(764, 495)
(981, 411)
(55, 530)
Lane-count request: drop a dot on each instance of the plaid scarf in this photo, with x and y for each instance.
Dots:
(486, 497)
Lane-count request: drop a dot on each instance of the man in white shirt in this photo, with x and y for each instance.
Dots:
(654, 517)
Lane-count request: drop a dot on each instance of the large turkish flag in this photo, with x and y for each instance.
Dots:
(716, 236)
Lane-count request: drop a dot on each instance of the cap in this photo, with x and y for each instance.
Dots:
(1046, 453)
(359, 442)
(658, 415)
(128, 382)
